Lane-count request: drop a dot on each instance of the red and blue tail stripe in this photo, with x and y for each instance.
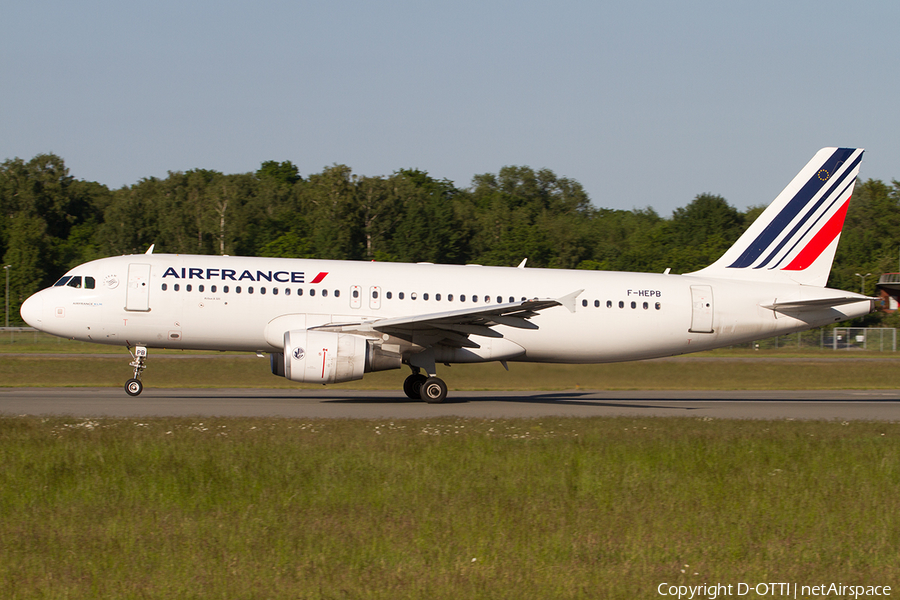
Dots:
(840, 166)
(795, 238)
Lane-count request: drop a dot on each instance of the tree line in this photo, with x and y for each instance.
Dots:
(50, 221)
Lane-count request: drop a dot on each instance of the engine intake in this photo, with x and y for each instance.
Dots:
(326, 357)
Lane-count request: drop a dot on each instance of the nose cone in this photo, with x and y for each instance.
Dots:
(32, 311)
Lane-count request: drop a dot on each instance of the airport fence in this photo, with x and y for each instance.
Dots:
(876, 339)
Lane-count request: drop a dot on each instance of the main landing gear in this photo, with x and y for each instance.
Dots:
(420, 387)
(133, 386)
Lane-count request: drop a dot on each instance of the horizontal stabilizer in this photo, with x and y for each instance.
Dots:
(816, 303)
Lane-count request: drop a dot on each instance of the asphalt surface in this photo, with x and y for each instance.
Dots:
(882, 405)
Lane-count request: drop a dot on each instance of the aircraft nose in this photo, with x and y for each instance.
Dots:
(32, 311)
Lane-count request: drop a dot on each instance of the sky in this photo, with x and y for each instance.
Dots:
(646, 104)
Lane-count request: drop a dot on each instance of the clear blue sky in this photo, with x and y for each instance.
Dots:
(644, 103)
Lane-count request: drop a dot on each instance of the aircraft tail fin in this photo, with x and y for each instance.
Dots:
(795, 238)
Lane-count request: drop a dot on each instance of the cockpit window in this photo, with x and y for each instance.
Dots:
(89, 283)
(75, 282)
(62, 281)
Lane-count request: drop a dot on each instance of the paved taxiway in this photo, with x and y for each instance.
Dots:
(337, 403)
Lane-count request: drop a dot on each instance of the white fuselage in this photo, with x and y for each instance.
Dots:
(247, 304)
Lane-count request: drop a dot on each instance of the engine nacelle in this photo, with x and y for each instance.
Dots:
(328, 357)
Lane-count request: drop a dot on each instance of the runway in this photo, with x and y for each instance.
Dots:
(880, 405)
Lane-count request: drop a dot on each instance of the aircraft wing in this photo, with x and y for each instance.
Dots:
(452, 328)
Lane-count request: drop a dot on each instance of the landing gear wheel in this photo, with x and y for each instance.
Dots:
(133, 387)
(434, 390)
(412, 386)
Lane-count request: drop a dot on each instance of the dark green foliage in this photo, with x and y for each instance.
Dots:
(50, 221)
(870, 242)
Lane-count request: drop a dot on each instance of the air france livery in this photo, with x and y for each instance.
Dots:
(333, 321)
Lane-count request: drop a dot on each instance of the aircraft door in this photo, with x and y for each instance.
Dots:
(701, 309)
(375, 297)
(137, 294)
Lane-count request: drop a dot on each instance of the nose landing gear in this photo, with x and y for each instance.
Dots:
(133, 386)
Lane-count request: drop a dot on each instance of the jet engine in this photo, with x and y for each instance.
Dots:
(326, 357)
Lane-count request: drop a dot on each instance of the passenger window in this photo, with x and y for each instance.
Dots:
(634, 305)
(462, 297)
(596, 304)
(262, 290)
(212, 289)
(657, 306)
(646, 306)
(400, 295)
(324, 293)
(356, 293)
(199, 288)
(249, 289)
(164, 287)
(437, 297)
(474, 298)
(425, 296)
(188, 288)
(237, 289)
(299, 291)
(312, 292)
(621, 304)
(449, 297)
(412, 296)
(287, 291)
(274, 291)
(225, 288)
(177, 287)
(584, 303)
(388, 294)
(499, 300)
(337, 293)
(609, 304)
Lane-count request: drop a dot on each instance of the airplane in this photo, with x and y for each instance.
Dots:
(325, 321)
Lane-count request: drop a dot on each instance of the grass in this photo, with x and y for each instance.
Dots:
(22, 365)
(249, 371)
(449, 508)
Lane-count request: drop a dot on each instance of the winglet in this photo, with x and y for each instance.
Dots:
(522, 264)
(150, 249)
(569, 300)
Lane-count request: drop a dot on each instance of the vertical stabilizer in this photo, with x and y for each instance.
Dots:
(795, 238)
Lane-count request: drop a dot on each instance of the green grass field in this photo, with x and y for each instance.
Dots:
(24, 362)
(443, 508)
(448, 508)
(244, 371)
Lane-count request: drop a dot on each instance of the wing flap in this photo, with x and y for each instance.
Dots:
(454, 327)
